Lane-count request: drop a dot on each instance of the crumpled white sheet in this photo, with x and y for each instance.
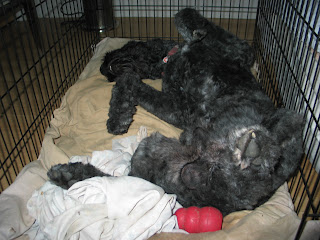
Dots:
(120, 207)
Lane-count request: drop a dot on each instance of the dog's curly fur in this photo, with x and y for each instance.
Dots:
(145, 59)
(236, 148)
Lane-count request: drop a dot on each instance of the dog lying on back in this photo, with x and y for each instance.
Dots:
(236, 148)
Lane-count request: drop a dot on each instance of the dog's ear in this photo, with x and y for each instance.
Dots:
(104, 68)
(193, 175)
(286, 125)
(289, 131)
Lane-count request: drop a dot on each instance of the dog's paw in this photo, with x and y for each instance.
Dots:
(65, 175)
(118, 127)
(120, 115)
(62, 175)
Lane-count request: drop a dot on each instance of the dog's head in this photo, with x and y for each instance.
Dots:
(194, 28)
(128, 59)
(264, 149)
(112, 68)
(190, 24)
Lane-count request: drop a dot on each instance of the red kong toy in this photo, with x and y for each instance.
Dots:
(197, 220)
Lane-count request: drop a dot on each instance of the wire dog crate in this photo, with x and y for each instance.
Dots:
(287, 48)
(46, 44)
(43, 51)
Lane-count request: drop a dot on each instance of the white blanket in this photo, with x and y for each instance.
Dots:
(121, 207)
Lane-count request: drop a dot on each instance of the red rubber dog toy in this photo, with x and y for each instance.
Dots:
(197, 220)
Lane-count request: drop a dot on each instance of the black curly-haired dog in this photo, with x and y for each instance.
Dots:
(236, 148)
(145, 59)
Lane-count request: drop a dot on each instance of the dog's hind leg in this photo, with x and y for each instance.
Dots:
(65, 175)
(122, 104)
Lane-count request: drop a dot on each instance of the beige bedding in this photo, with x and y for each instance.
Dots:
(78, 127)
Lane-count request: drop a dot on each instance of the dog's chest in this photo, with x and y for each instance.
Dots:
(190, 77)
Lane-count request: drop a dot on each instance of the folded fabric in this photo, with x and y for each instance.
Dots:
(120, 207)
(102, 208)
(14, 217)
(274, 220)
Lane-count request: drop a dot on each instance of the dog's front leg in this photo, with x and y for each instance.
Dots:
(122, 104)
(166, 106)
